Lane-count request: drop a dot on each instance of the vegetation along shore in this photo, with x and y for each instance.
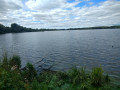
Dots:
(12, 77)
(15, 28)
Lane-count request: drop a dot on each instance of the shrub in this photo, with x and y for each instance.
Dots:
(15, 61)
(77, 76)
(29, 73)
(97, 76)
(35, 85)
(27, 78)
(10, 80)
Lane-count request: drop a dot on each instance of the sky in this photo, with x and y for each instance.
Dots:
(60, 13)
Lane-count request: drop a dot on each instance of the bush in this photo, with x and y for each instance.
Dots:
(15, 61)
(28, 79)
(97, 76)
(77, 76)
(29, 73)
(10, 80)
(35, 85)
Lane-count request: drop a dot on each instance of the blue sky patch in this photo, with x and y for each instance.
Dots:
(81, 4)
(87, 3)
(70, 1)
(96, 2)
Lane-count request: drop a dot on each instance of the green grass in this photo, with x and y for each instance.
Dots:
(14, 78)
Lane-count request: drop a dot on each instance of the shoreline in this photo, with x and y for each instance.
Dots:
(10, 69)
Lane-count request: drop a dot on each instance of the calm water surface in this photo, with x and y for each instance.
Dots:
(65, 49)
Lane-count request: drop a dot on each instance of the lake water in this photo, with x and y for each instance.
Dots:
(65, 49)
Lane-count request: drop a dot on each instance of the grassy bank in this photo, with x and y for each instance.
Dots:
(12, 77)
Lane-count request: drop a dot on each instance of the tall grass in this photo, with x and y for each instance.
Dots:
(97, 76)
(12, 77)
(15, 60)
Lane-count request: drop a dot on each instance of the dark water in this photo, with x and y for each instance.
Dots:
(65, 49)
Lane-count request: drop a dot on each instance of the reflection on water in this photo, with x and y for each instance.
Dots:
(64, 49)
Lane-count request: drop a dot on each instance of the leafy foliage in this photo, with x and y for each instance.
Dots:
(15, 60)
(29, 73)
(28, 79)
(97, 76)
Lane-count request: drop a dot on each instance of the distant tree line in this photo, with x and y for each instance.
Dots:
(100, 27)
(15, 28)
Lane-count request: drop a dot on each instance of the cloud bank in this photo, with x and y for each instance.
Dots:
(59, 13)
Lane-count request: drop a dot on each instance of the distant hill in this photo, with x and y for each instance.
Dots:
(15, 28)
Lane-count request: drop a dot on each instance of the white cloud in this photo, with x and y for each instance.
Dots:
(44, 4)
(59, 13)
